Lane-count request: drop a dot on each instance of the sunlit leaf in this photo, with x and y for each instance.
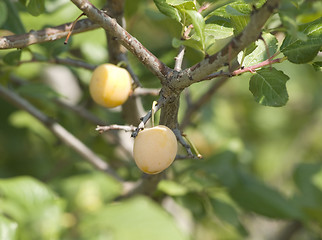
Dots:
(198, 25)
(136, 218)
(168, 10)
(217, 36)
(8, 228)
(268, 86)
(260, 53)
(172, 188)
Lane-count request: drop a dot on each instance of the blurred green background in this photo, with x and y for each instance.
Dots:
(261, 174)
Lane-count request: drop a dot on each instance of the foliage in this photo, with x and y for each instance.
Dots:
(260, 163)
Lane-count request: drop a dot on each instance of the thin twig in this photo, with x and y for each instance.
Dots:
(62, 61)
(59, 131)
(181, 140)
(179, 58)
(146, 91)
(184, 157)
(146, 118)
(45, 35)
(251, 69)
(125, 128)
(214, 62)
(156, 66)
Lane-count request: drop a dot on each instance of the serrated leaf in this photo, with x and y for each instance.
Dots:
(12, 58)
(299, 51)
(259, 54)
(217, 36)
(198, 25)
(268, 86)
(239, 23)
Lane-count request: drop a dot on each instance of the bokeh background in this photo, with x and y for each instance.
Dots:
(261, 176)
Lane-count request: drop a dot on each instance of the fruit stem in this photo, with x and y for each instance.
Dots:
(122, 64)
(193, 146)
(152, 112)
(72, 27)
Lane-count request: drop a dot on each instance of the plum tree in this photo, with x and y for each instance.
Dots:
(110, 85)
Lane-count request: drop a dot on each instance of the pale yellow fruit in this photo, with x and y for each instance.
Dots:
(155, 149)
(110, 85)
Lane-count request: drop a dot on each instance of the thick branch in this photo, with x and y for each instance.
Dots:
(59, 131)
(45, 35)
(157, 67)
(212, 63)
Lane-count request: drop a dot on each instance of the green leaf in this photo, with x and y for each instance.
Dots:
(136, 218)
(217, 36)
(299, 51)
(8, 228)
(191, 42)
(225, 211)
(3, 13)
(38, 90)
(88, 192)
(307, 177)
(22, 119)
(304, 179)
(255, 196)
(37, 210)
(12, 58)
(239, 23)
(268, 86)
(26, 191)
(34, 7)
(13, 22)
(172, 188)
(168, 10)
(234, 12)
(198, 25)
(259, 54)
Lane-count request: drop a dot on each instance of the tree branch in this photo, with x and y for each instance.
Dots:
(63, 61)
(157, 67)
(59, 131)
(45, 35)
(125, 128)
(212, 63)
